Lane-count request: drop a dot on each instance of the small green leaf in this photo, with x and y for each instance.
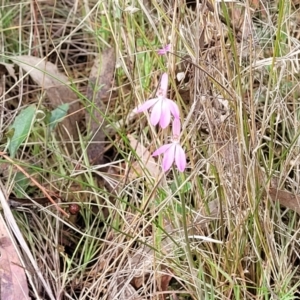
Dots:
(21, 184)
(58, 114)
(184, 189)
(21, 126)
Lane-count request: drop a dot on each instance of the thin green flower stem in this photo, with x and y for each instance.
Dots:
(184, 224)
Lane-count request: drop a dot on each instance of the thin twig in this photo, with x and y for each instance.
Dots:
(36, 183)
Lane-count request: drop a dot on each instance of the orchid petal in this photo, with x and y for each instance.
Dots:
(180, 158)
(169, 158)
(173, 108)
(145, 106)
(156, 113)
(161, 149)
(163, 89)
(165, 116)
(176, 128)
(164, 50)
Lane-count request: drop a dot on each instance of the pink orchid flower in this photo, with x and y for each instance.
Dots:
(173, 151)
(162, 107)
(164, 50)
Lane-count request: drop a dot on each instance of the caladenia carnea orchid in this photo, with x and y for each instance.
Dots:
(173, 152)
(162, 110)
(164, 50)
(162, 107)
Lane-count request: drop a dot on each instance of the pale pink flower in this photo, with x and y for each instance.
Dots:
(173, 151)
(162, 107)
(164, 50)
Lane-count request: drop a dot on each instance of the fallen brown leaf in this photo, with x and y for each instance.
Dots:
(100, 83)
(44, 73)
(285, 198)
(164, 283)
(13, 282)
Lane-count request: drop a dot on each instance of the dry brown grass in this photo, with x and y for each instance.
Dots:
(215, 232)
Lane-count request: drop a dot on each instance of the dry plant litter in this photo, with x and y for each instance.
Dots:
(88, 211)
